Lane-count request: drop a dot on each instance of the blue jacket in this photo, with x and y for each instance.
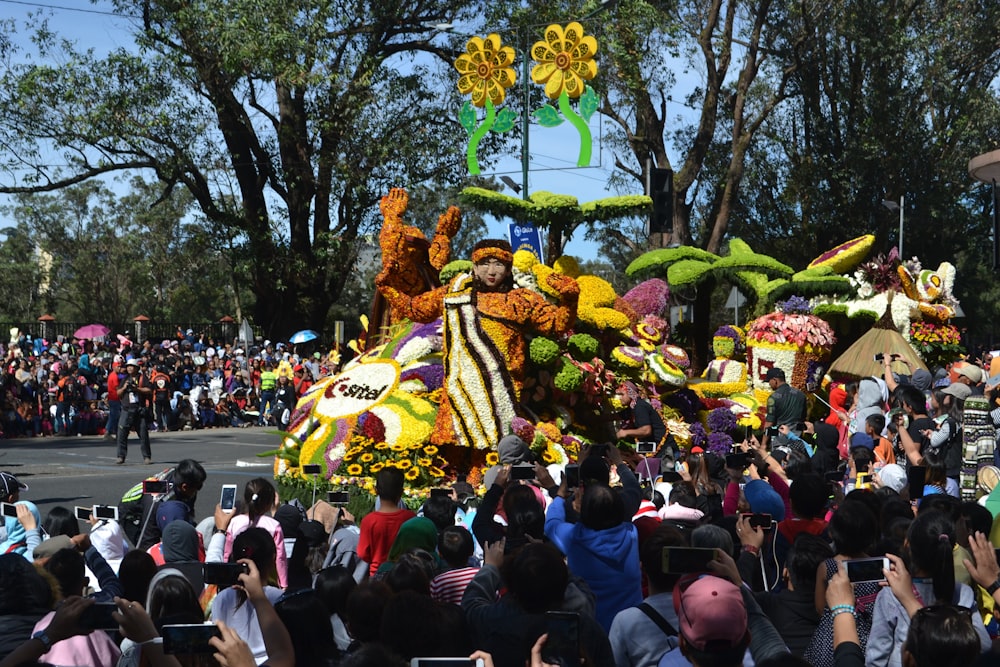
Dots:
(608, 560)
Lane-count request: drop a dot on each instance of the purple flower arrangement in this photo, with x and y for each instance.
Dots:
(795, 305)
(721, 420)
(698, 436)
(719, 443)
(649, 297)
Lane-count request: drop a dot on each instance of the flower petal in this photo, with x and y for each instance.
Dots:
(572, 35)
(505, 76)
(554, 86)
(504, 57)
(542, 52)
(464, 64)
(586, 69)
(492, 44)
(556, 36)
(495, 91)
(466, 82)
(540, 73)
(573, 83)
(585, 49)
(479, 93)
(474, 47)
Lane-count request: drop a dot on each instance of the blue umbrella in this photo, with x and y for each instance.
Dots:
(303, 336)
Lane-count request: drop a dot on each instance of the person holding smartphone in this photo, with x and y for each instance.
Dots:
(785, 406)
(643, 423)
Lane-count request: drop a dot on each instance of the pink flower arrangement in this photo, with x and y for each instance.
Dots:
(798, 330)
(523, 429)
(649, 297)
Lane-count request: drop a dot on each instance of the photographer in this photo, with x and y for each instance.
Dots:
(134, 391)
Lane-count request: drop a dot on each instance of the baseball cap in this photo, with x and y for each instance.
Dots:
(971, 371)
(132, 362)
(711, 613)
(958, 390)
(10, 485)
(862, 440)
(775, 373)
(892, 476)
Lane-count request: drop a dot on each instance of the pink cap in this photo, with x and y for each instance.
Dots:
(711, 613)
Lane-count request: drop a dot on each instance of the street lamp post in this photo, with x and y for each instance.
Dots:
(893, 206)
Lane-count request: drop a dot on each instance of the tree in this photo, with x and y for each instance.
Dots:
(285, 122)
(21, 275)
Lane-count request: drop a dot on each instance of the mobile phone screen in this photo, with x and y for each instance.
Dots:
(572, 475)
(9, 509)
(223, 575)
(440, 493)
(915, 479)
(227, 500)
(98, 617)
(188, 639)
(338, 497)
(521, 471)
(737, 461)
(866, 569)
(758, 520)
(645, 447)
(563, 645)
(683, 560)
(107, 512)
(154, 486)
(83, 513)
(312, 469)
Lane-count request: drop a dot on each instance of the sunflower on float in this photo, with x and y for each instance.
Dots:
(379, 411)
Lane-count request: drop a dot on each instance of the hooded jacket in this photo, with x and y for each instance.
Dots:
(608, 560)
(871, 401)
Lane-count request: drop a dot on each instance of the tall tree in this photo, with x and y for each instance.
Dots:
(285, 121)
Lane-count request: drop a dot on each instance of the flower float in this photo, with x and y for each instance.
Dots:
(379, 411)
(486, 72)
(726, 374)
(937, 344)
(564, 60)
(788, 339)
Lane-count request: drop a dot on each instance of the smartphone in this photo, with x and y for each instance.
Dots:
(339, 498)
(737, 461)
(312, 469)
(440, 493)
(227, 500)
(522, 471)
(152, 486)
(758, 520)
(83, 513)
(835, 476)
(862, 481)
(684, 560)
(773, 431)
(879, 357)
(599, 450)
(446, 662)
(98, 617)
(862, 570)
(10, 509)
(107, 512)
(915, 480)
(572, 473)
(223, 575)
(563, 645)
(189, 639)
(645, 447)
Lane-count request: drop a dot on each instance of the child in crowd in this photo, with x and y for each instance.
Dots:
(379, 528)
(455, 546)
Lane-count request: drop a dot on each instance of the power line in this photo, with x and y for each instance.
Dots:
(66, 9)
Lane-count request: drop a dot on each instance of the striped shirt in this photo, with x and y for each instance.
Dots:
(450, 586)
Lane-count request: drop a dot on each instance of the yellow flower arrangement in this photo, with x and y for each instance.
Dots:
(381, 446)
(568, 266)
(354, 469)
(524, 260)
(375, 467)
(486, 70)
(565, 59)
(434, 471)
(424, 462)
(548, 456)
(430, 450)
(492, 459)
(396, 447)
(625, 360)
(412, 474)
(367, 457)
(404, 464)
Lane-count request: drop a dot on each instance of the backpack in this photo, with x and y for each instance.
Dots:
(665, 628)
(951, 450)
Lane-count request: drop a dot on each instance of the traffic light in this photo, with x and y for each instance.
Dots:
(660, 187)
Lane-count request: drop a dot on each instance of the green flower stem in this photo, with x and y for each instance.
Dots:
(470, 153)
(581, 126)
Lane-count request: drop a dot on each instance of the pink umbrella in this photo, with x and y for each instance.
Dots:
(91, 331)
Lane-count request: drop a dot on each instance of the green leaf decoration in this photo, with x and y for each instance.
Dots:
(687, 272)
(739, 247)
(505, 120)
(467, 117)
(656, 261)
(754, 262)
(547, 116)
(453, 268)
(588, 103)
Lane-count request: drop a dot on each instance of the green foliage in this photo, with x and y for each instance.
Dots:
(453, 268)
(543, 351)
(582, 347)
(654, 262)
(687, 272)
(569, 378)
(505, 120)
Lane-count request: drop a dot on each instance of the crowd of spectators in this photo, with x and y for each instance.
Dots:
(67, 387)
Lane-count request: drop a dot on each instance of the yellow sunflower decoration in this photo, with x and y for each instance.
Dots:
(564, 62)
(565, 59)
(485, 73)
(486, 70)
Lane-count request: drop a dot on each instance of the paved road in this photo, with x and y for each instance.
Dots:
(82, 471)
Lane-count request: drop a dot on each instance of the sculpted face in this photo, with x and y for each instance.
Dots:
(491, 272)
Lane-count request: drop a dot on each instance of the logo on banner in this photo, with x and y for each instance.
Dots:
(526, 237)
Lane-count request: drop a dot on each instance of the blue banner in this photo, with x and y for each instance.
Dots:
(526, 237)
